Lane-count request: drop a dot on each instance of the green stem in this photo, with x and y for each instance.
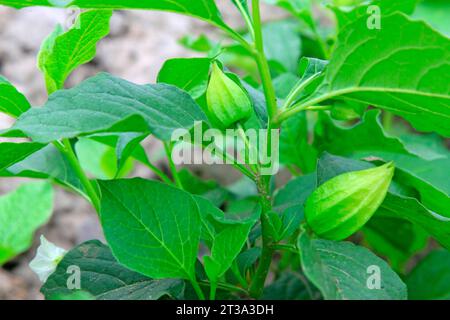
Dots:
(247, 18)
(66, 148)
(197, 289)
(212, 291)
(238, 275)
(388, 119)
(229, 159)
(263, 65)
(248, 146)
(258, 281)
(158, 172)
(295, 92)
(286, 247)
(172, 166)
(296, 109)
(225, 286)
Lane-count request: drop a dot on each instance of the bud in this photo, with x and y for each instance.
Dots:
(227, 102)
(342, 205)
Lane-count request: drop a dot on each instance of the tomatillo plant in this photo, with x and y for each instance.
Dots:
(366, 192)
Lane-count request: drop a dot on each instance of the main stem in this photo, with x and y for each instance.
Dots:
(263, 182)
(265, 260)
(261, 61)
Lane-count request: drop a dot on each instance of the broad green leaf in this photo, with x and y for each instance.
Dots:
(302, 9)
(208, 189)
(290, 221)
(11, 153)
(152, 228)
(411, 209)
(76, 295)
(282, 44)
(62, 52)
(204, 9)
(295, 192)
(12, 102)
(225, 236)
(104, 278)
(226, 246)
(434, 13)
(342, 271)
(290, 286)
(394, 238)
(188, 74)
(46, 163)
(108, 104)
(430, 279)
(368, 139)
(100, 160)
(294, 147)
(245, 260)
(31, 205)
(404, 72)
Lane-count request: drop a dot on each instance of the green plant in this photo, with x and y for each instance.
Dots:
(300, 79)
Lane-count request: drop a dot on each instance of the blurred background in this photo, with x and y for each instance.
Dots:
(136, 48)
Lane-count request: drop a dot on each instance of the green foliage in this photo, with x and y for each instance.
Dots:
(430, 278)
(12, 102)
(340, 271)
(152, 228)
(157, 109)
(31, 205)
(351, 101)
(103, 278)
(62, 52)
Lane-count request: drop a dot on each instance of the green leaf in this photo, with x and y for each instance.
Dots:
(11, 153)
(294, 147)
(108, 104)
(104, 278)
(226, 246)
(394, 238)
(411, 209)
(404, 72)
(434, 13)
(62, 52)
(12, 102)
(152, 228)
(302, 9)
(205, 9)
(290, 221)
(282, 44)
(43, 164)
(430, 279)
(100, 160)
(32, 205)
(341, 271)
(188, 74)
(208, 189)
(295, 192)
(290, 286)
